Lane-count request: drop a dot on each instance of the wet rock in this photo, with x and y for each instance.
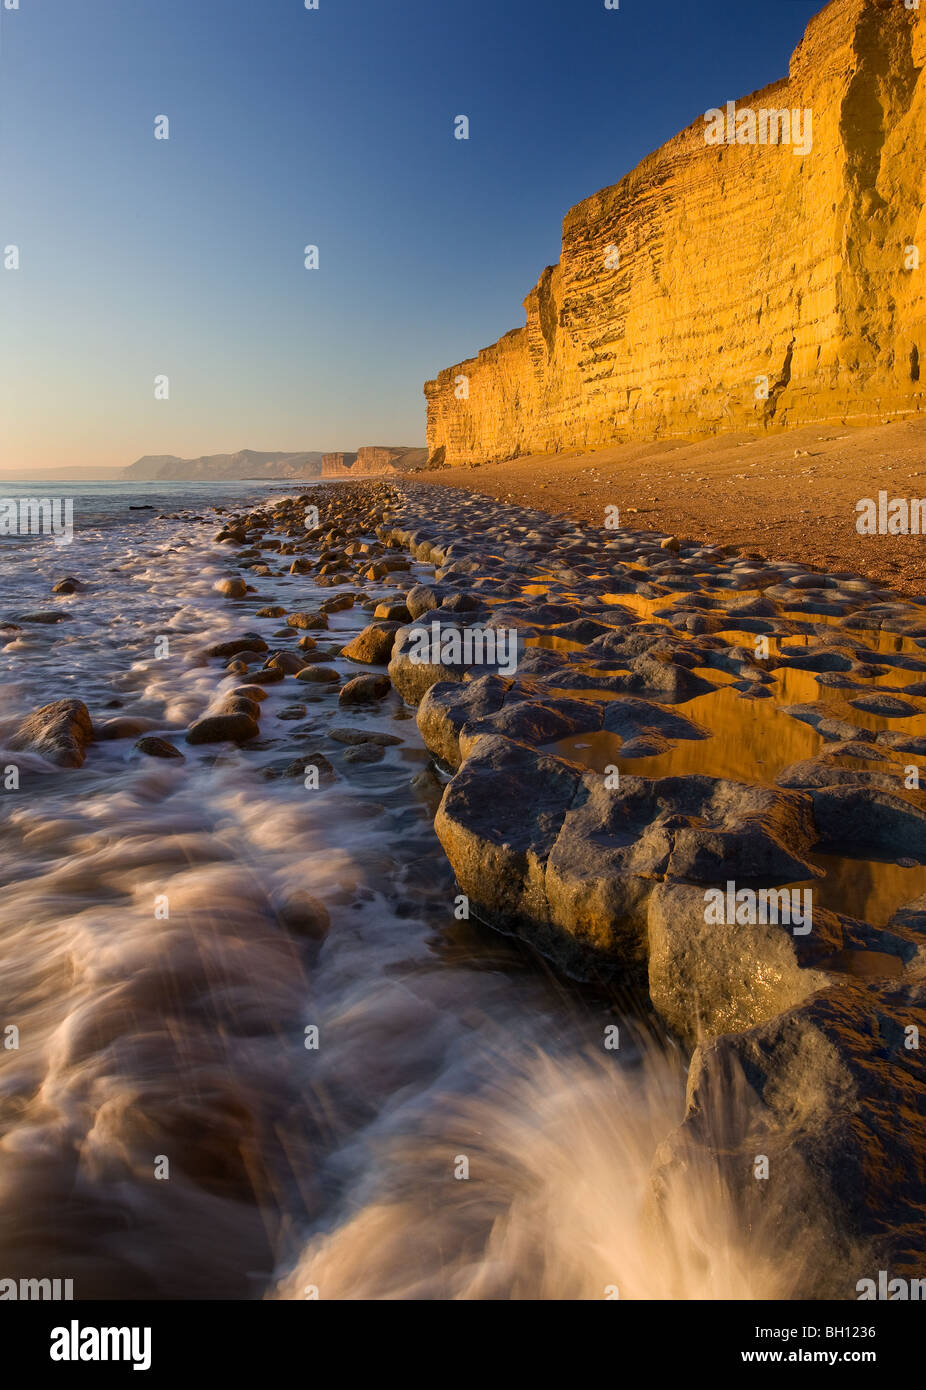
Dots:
(821, 772)
(365, 753)
(319, 655)
(423, 598)
(459, 602)
(287, 662)
(570, 862)
(350, 736)
(827, 726)
(363, 690)
(337, 603)
(392, 612)
(156, 747)
(823, 659)
(373, 646)
(447, 708)
(869, 818)
(535, 722)
(584, 630)
(707, 978)
(250, 692)
(273, 610)
(268, 675)
(497, 822)
(818, 1090)
(45, 618)
(889, 706)
(247, 642)
(911, 921)
(322, 766)
(304, 915)
(307, 620)
(615, 842)
(231, 588)
(412, 678)
(631, 718)
(292, 712)
(319, 675)
(68, 585)
(59, 732)
(223, 728)
(240, 704)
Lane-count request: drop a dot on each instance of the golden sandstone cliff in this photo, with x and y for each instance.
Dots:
(372, 460)
(759, 270)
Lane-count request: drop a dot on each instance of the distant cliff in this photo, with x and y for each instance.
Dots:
(389, 458)
(374, 459)
(247, 463)
(729, 285)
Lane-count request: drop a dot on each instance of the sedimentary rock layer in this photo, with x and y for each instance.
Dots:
(729, 286)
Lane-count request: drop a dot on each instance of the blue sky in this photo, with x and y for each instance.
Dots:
(331, 127)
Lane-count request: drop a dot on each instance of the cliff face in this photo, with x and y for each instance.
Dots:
(712, 265)
(336, 465)
(373, 459)
(383, 458)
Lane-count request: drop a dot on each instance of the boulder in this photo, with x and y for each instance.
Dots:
(223, 728)
(364, 690)
(247, 642)
(307, 620)
(372, 646)
(567, 860)
(231, 588)
(706, 978)
(58, 732)
(868, 818)
(831, 1094)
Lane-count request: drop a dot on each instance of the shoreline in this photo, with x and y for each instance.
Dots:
(683, 727)
(727, 490)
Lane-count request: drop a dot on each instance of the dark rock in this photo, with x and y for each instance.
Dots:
(819, 1090)
(158, 748)
(247, 642)
(222, 728)
(58, 732)
(365, 753)
(364, 690)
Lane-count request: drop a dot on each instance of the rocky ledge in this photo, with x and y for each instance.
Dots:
(688, 663)
(673, 764)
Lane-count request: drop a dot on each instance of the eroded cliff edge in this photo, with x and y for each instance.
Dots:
(734, 262)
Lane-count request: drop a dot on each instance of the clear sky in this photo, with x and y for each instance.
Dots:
(289, 127)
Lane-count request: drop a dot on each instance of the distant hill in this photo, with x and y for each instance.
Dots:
(247, 463)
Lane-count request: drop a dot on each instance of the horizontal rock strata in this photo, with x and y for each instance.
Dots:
(729, 286)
